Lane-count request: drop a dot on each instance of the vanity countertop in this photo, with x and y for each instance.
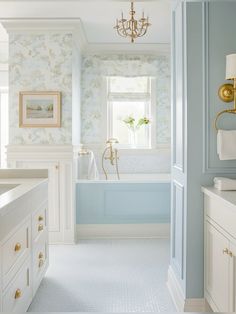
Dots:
(227, 196)
(22, 186)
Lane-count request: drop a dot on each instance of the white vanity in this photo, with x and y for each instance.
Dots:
(220, 249)
(23, 236)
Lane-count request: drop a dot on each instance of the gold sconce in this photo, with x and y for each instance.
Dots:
(227, 92)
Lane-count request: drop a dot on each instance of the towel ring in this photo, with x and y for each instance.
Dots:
(233, 111)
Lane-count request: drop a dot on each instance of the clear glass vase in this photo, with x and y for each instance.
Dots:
(133, 138)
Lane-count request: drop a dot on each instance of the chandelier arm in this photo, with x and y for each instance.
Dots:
(125, 27)
(143, 33)
(120, 33)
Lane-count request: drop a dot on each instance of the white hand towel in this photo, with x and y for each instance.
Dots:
(93, 173)
(226, 144)
(225, 184)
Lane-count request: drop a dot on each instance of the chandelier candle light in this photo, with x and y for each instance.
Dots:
(132, 28)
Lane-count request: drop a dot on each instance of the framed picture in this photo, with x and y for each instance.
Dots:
(40, 109)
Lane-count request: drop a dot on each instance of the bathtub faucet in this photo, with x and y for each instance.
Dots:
(113, 156)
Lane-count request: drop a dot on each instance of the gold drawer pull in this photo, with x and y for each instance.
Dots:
(17, 247)
(41, 262)
(40, 227)
(40, 255)
(18, 294)
(40, 218)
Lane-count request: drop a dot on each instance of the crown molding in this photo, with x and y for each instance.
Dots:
(75, 26)
(42, 25)
(29, 25)
(155, 49)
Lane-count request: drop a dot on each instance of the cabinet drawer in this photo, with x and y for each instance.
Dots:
(16, 248)
(40, 261)
(222, 213)
(39, 222)
(18, 296)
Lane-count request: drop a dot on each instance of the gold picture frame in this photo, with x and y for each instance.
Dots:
(40, 109)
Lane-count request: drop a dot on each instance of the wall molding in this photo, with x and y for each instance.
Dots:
(90, 231)
(43, 152)
(179, 264)
(182, 304)
(208, 124)
(75, 25)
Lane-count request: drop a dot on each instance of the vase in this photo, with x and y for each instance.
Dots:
(133, 138)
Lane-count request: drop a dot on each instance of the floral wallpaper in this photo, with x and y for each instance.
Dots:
(40, 62)
(95, 67)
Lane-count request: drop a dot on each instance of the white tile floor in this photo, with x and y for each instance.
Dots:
(106, 276)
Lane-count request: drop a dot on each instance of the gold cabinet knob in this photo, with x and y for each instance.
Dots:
(40, 227)
(230, 254)
(17, 247)
(57, 167)
(226, 251)
(18, 294)
(40, 218)
(40, 255)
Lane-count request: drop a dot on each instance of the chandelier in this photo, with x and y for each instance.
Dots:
(132, 28)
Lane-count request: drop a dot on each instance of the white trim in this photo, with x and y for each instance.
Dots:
(3, 67)
(149, 48)
(175, 290)
(88, 231)
(196, 305)
(75, 25)
(177, 294)
(40, 152)
(29, 25)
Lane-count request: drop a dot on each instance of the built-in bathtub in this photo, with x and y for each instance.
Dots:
(134, 199)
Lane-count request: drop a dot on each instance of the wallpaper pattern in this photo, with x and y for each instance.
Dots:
(40, 62)
(95, 67)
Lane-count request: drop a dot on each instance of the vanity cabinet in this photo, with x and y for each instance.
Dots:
(23, 247)
(220, 249)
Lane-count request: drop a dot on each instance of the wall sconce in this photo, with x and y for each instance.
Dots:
(227, 92)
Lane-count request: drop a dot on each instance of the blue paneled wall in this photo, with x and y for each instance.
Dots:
(120, 203)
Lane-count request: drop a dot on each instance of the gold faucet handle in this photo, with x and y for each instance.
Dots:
(112, 140)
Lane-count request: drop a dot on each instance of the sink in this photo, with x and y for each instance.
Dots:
(7, 187)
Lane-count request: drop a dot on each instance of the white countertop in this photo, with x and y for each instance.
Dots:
(227, 196)
(23, 186)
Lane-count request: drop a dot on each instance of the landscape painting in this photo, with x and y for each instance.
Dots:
(40, 109)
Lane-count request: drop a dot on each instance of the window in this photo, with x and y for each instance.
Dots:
(3, 125)
(131, 97)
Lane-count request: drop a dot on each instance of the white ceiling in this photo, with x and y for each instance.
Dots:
(98, 17)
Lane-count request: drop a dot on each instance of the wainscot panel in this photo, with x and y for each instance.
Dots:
(121, 203)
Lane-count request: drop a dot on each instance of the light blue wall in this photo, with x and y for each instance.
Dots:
(116, 203)
(203, 33)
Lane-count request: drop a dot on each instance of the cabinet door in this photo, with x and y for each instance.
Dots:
(53, 190)
(217, 268)
(232, 277)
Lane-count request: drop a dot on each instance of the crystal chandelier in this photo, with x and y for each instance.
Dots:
(132, 28)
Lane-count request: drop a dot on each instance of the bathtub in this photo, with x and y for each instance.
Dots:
(131, 178)
(134, 199)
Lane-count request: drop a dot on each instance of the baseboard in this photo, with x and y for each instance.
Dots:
(182, 304)
(90, 231)
(175, 290)
(196, 305)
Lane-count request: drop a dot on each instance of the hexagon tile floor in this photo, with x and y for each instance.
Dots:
(106, 276)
